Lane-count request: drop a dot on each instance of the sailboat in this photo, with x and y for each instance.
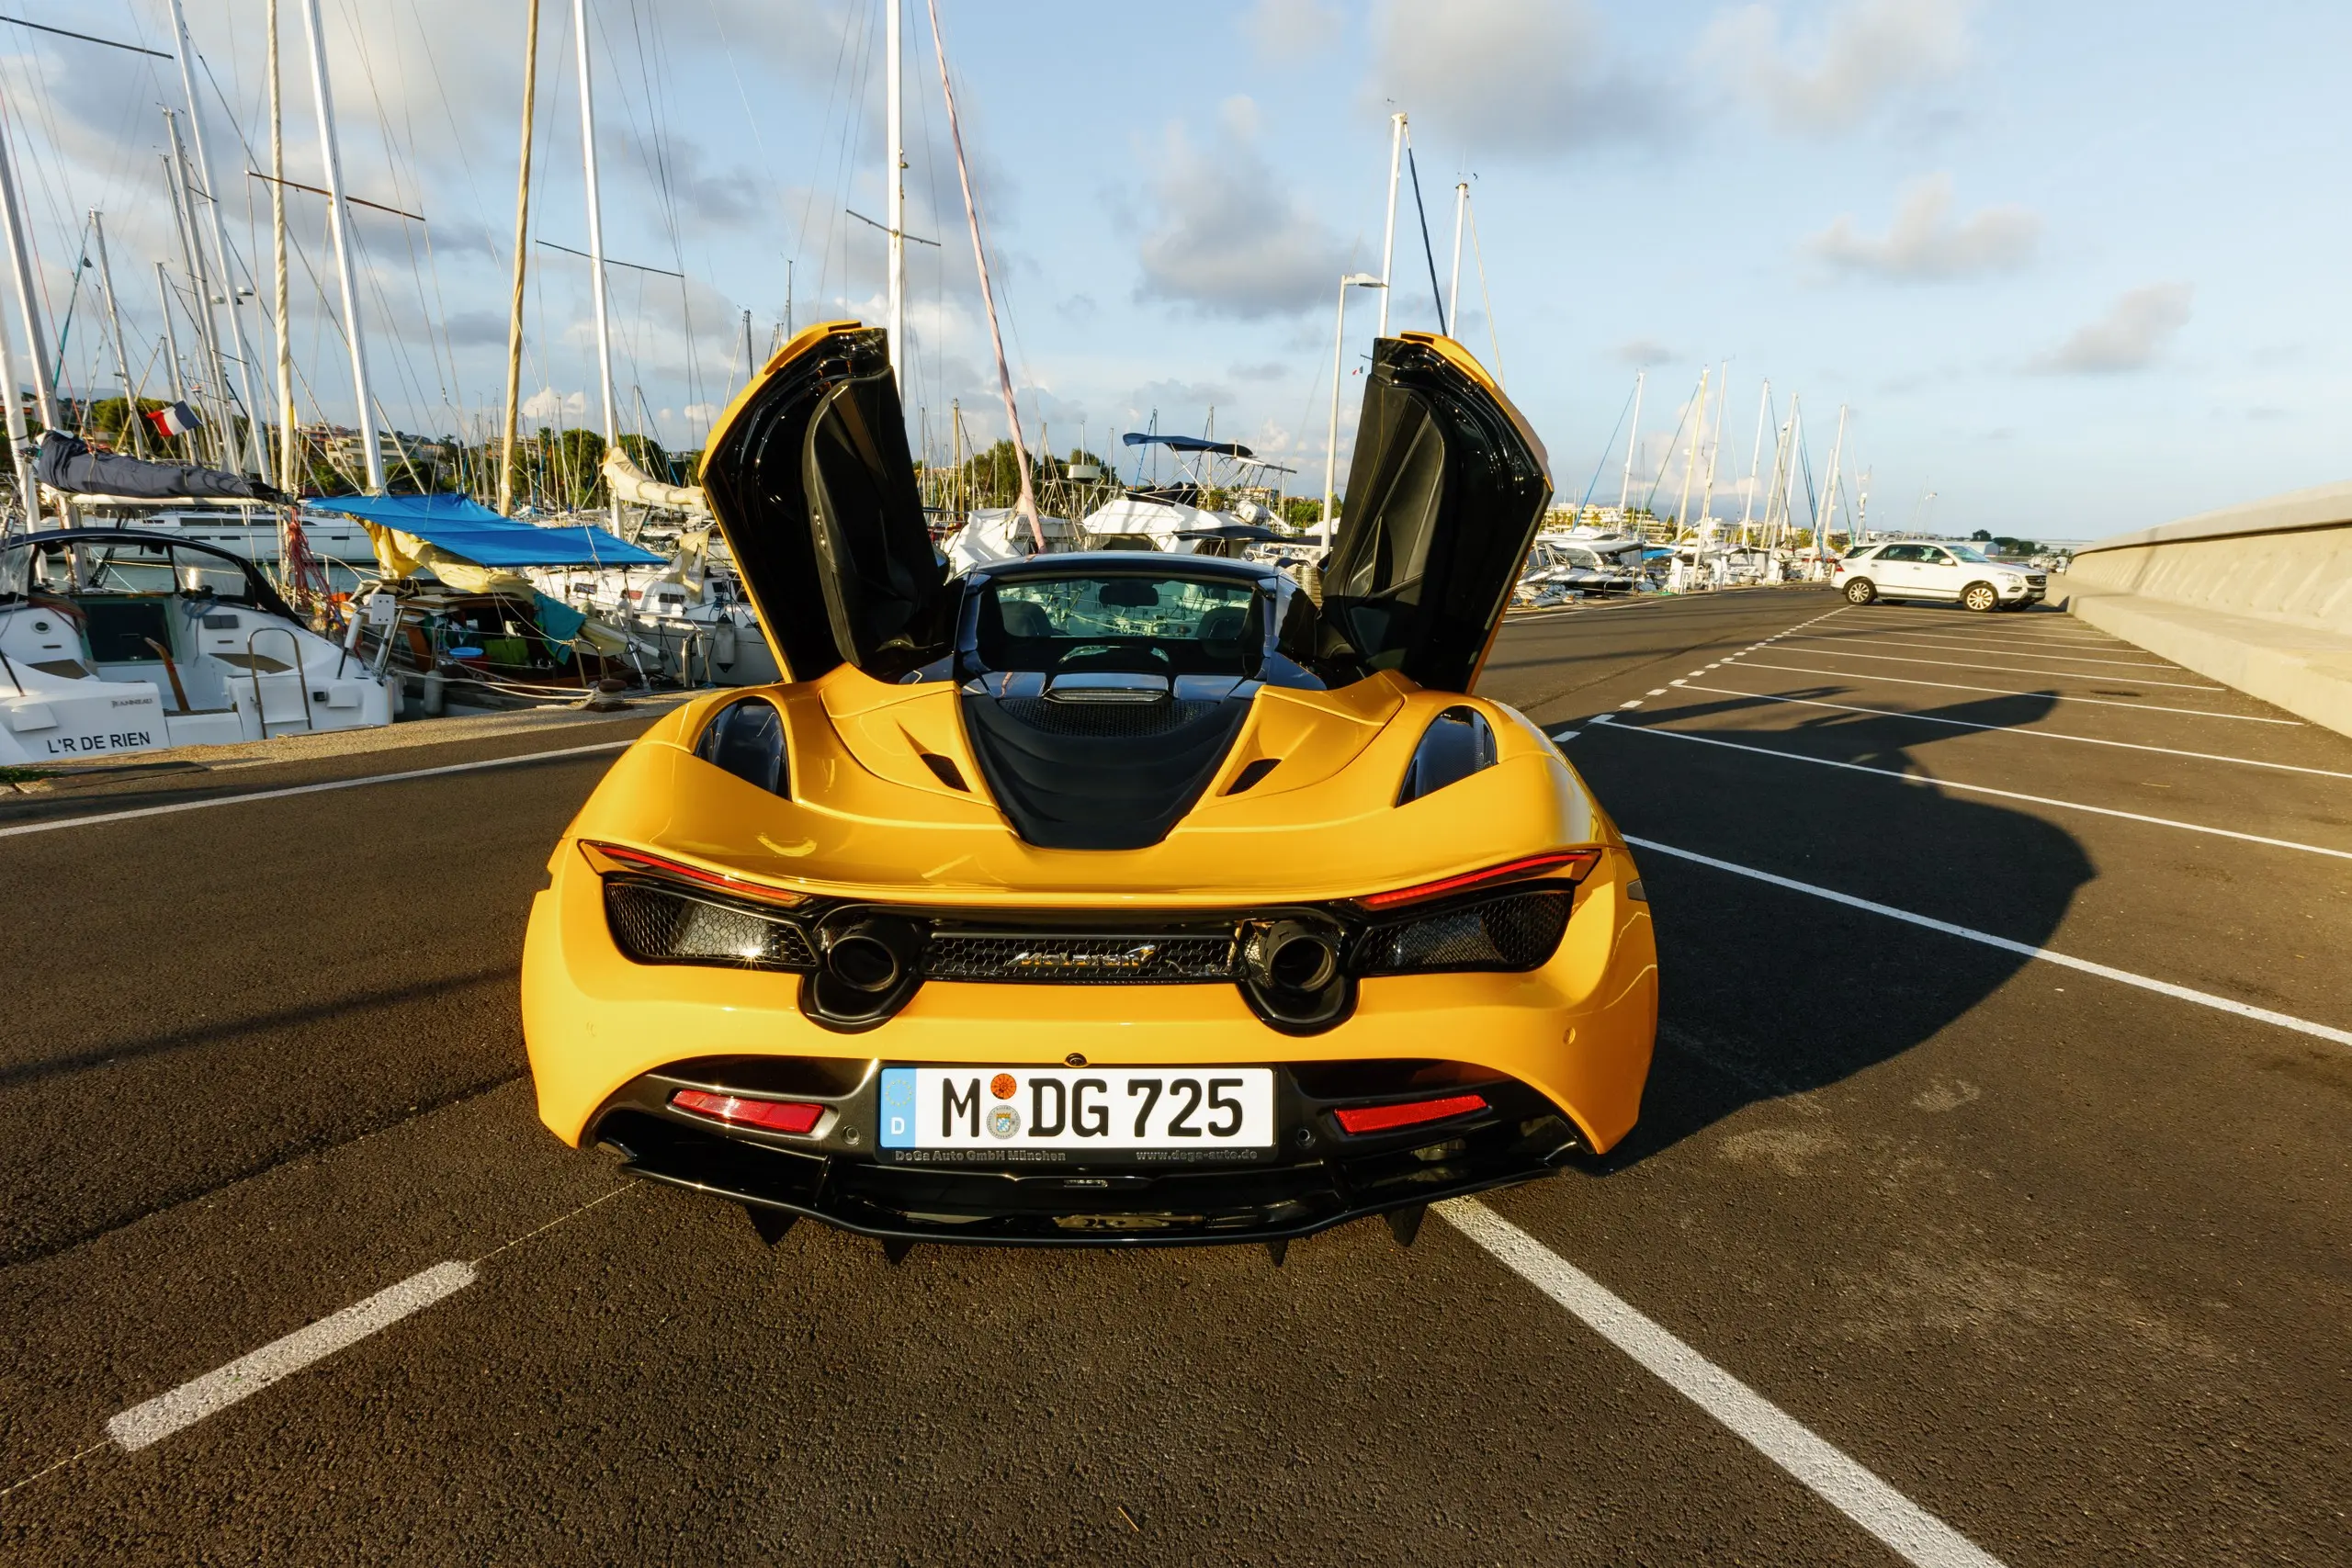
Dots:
(114, 640)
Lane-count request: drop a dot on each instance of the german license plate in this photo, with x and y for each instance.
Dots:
(1057, 1114)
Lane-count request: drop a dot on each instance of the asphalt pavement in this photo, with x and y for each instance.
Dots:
(1988, 1204)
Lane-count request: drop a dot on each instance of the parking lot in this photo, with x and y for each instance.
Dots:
(1988, 1202)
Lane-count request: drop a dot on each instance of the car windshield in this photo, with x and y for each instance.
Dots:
(1964, 553)
(1140, 622)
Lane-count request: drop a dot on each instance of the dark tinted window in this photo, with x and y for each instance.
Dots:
(1149, 624)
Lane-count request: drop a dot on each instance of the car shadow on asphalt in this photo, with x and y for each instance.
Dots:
(1768, 993)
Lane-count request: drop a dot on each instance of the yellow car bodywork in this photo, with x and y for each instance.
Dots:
(867, 819)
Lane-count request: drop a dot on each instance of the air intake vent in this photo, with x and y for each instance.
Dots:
(1113, 719)
(1517, 933)
(654, 923)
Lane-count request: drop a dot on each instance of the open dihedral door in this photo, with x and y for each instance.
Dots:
(809, 479)
(1445, 492)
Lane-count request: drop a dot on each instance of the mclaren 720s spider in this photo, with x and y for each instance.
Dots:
(1120, 898)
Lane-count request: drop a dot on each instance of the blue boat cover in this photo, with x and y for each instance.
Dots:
(466, 528)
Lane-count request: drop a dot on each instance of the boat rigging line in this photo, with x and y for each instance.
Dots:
(87, 38)
(1436, 299)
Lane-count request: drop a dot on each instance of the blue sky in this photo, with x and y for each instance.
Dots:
(2071, 269)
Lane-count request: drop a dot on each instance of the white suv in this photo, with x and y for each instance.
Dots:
(1919, 570)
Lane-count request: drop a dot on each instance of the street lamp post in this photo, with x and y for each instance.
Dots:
(1338, 349)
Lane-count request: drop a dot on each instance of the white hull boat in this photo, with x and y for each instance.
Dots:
(113, 641)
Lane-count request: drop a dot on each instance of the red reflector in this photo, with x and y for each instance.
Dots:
(768, 1115)
(620, 857)
(1383, 1118)
(1574, 864)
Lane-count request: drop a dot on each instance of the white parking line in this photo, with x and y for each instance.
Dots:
(1923, 781)
(2008, 651)
(1915, 1534)
(2005, 635)
(2073, 631)
(191, 1401)
(62, 822)
(2006, 692)
(2014, 669)
(2122, 976)
(2017, 729)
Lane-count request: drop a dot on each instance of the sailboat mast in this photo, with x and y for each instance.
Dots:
(20, 263)
(228, 295)
(1715, 446)
(1625, 486)
(1772, 496)
(339, 225)
(1796, 455)
(595, 244)
(19, 439)
(896, 213)
(114, 331)
(510, 414)
(1747, 503)
(1028, 503)
(1454, 289)
(1690, 454)
(211, 392)
(172, 351)
(1388, 231)
(290, 464)
(1829, 502)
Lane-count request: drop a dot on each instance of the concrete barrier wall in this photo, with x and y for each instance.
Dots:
(2287, 559)
(2257, 596)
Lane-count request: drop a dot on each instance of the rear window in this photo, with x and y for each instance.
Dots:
(1140, 624)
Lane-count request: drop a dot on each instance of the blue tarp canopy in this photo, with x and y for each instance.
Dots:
(1186, 444)
(465, 527)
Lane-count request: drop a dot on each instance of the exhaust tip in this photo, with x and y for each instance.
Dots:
(1293, 977)
(862, 962)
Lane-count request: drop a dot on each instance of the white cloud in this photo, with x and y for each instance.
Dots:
(1232, 239)
(548, 403)
(1924, 242)
(1869, 51)
(1289, 32)
(1642, 351)
(2136, 329)
(701, 413)
(1500, 76)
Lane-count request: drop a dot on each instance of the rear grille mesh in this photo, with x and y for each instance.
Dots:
(653, 924)
(1091, 959)
(1517, 933)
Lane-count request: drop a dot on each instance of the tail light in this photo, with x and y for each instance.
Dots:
(796, 1116)
(1388, 1118)
(1572, 865)
(610, 858)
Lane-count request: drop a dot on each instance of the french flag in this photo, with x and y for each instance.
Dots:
(177, 419)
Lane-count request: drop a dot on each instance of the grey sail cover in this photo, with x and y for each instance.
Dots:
(66, 463)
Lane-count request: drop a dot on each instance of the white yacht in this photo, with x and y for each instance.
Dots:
(244, 528)
(114, 640)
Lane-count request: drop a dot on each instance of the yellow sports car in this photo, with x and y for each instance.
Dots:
(1108, 897)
